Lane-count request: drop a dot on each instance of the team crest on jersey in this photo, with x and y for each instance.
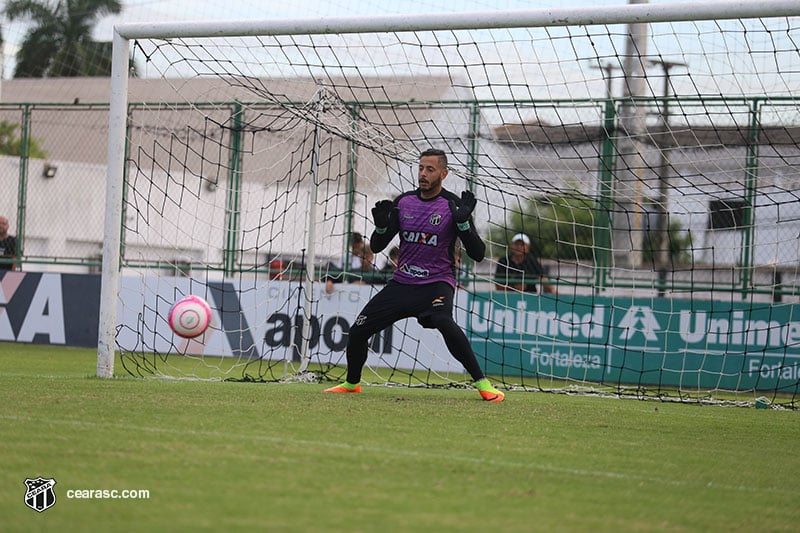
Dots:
(435, 219)
(40, 495)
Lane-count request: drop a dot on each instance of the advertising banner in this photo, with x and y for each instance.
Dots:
(49, 308)
(734, 345)
(690, 343)
(265, 319)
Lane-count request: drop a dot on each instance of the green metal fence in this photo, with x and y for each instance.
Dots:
(55, 182)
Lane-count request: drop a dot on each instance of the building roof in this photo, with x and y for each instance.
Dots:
(684, 136)
(71, 120)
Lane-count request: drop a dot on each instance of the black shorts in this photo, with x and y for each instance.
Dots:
(397, 301)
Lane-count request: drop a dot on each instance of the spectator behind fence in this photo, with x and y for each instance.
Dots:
(520, 270)
(388, 268)
(359, 249)
(368, 272)
(8, 246)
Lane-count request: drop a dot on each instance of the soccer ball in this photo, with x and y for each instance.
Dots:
(189, 317)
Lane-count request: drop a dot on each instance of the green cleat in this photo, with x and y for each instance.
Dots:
(487, 392)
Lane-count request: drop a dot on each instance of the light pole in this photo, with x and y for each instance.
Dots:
(608, 71)
(626, 223)
(662, 257)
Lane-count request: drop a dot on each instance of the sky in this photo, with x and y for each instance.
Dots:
(211, 10)
(175, 10)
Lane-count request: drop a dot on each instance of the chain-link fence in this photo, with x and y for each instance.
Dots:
(718, 182)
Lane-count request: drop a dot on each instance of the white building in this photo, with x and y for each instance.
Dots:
(181, 171)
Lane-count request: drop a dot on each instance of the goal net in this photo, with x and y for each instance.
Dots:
(648, 154)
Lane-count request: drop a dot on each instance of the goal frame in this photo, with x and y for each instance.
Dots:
(124, 33)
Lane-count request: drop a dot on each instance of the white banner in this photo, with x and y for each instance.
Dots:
(264, 319)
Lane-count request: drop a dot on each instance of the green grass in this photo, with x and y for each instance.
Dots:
(284, 457)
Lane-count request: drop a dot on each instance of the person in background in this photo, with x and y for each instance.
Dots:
(387, 271)
(368, 273)
(357, 246)
(461, 270)
(520, 270)
(8, 246)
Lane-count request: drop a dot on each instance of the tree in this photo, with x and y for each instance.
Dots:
(10, 144)
(679, 242)
(563, 226)
(59, 43)
(560, 226)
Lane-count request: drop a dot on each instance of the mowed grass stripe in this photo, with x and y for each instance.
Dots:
(285, 457)
(383, 452)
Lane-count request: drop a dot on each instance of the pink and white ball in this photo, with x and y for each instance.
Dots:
(189, 317)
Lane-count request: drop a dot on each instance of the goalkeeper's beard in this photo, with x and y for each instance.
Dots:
(430, 185)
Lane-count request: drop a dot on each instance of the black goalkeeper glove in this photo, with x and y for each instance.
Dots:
(382, 214)
(462, 213)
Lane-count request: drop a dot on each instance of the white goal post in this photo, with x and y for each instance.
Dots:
(628, 137)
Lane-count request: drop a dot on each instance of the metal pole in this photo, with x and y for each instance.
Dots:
(517, 18)
(605, 194)
(751, 184)
(22, 192)
(117, 124)
(626, 237)
(662, 256)
(234, 193)
(608, 76)
(312, 235)
(352, 183)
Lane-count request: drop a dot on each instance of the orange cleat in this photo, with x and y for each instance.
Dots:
(489, 393)
(344, 387)
(492, 396)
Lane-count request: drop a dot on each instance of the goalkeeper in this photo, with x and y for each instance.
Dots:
(428, 220)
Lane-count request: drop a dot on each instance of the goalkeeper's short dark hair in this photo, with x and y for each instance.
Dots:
(436, 153)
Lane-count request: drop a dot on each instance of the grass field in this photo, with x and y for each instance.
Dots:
(284, 457)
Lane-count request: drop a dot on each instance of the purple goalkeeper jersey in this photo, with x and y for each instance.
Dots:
(427, 239)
